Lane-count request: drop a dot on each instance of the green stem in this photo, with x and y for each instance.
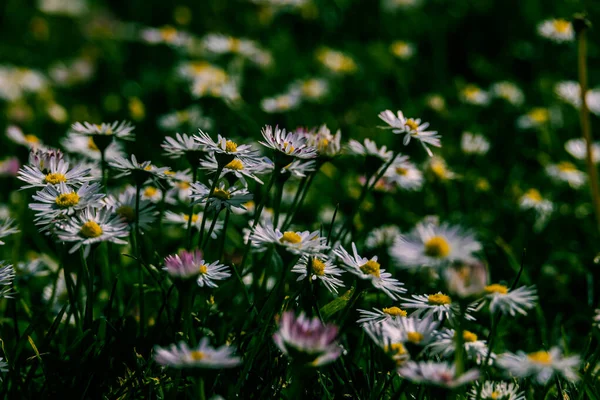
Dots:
(210, 193)
(301, 201)
(459, 343)
(191, 214)
(224, 235)
(212, 227)
(201, 393)
(104, 170)
(138, 246)
(277, 204)
(295, 201)
(89, 305)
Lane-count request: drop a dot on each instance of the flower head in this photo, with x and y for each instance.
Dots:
(319, 268)
(301, 243)
(55, 172)
(541, 366)
(438, 305)
(203, 356)
(436, 374)
(558, 30)
(121, 130)
(496, 391)
(510, 301)
(192, 265)
(292, 144)
(411, 128)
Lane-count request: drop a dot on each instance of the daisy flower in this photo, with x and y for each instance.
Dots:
(466, 280)
(181, 184)
(403, 50)
(165, 35)
(509, 92)
(187, 265)
(388, 338)
(39, 158)
(301, 243)
(336, 61)
(141, 170)
(121, 130)
(566, 172)
(444, 345)
(370, 269)
(86, 147)
(508, 301)
(54, 200)
(7, 228)
(299, 168)
(225, 150)
(496, 390)
(307, 341)
(155, 195)
(472, 94)
(438, 167)
(436, 374)
(90, 226)
(15, 134)
(471, 143)
(535, 118)
(191, 117)
(411, 128)
(438, 305)
(183, 218)
(310, 89)
(247, 168)
(123, 205)
(319, 268)
(558, 30)
(183, 145)
(327, 144)
(281, 103)
(378, 316)
(292, 144)
(369, 149)
(57, 171)
(382, 237)
(221, 197)
(533, 200)
(569, 92)
(7, 276)
(577, 148)
(404, 174)
(432, 245)
(203, 356)
(540, 366)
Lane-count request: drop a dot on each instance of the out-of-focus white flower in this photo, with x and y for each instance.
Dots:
(336, 61)
(577, 148)
(496, 391)
(566, 172)
(403, 50)
(438, 305)
(509, 92)
(411, 128)
(444, 345)
(203, 356)
(558, 30)
(165, 35)
(541, 366)
(71, 8)
(535, 118)
(472, 94)
(437, 374)
(509, 301)
(471, 143)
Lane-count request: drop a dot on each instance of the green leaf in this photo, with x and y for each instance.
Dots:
(337, 304)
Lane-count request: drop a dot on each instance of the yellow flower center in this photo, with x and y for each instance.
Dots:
(400, 48)
(148, 167)
(55, 178)
(203, 269)
(32, 139)
(469, 337)
(437, 247)
(471, 91)
(411, 124)
(221, 194)
(197, 355)
(394, 312)
(439, 299)
(539, 115)
(540, 357)
(92, 145)
(183, 185)
(401, 171)
(494, 395)
(186, 218)
(371, 267)
(230, 147)
(235, 165)
(439, 169)
(561, 25)
(127, 213)
(67, 200)
(290, 237)
(168, 33)
(90, 230)
(312, 88)
(150, 191)
(318, 267)
(395, 348)
(566, 166)
(534, 195)
(496, 288)
(414, 337)
(169, 172)
(323, 143)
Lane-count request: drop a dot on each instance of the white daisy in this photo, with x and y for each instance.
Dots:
(444, 345)
(90, 226)
(7, 276)
(432, 245)
(299, 168)
(566, 172)
(438, 305)
(307, 341)
(221, 197)
(313, 89)
(437, 374)
(187, 265)
(165, 35)
(378, 316)
(369, 149)
(191, 117)
(569, 92)
(540, 366)
(535, 118)
(225, 150)
(181, 183)
(327, 144)
(15, 134)
(39, 158)
(57, 171)
(292, 144)
(403, 50)
(404, 174)
(411, 128)
(382, 237)
(472, 94)
(7, 228)
(319, 268)
(123, 205)
(474, 144)
(248, 168)
(301, 243)
(336, 61)
(532, 199)
(203, 356)
(577, 148)
(121, 130)
(141, 171)
(281, 103)
(508, 301)
(438, 167)
(558, 30)
(86, 147)
(496, 391)
(370, 269)
(54, 200)
(509, 92)
(183, 145)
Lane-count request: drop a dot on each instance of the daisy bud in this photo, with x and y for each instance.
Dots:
(466, 279)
